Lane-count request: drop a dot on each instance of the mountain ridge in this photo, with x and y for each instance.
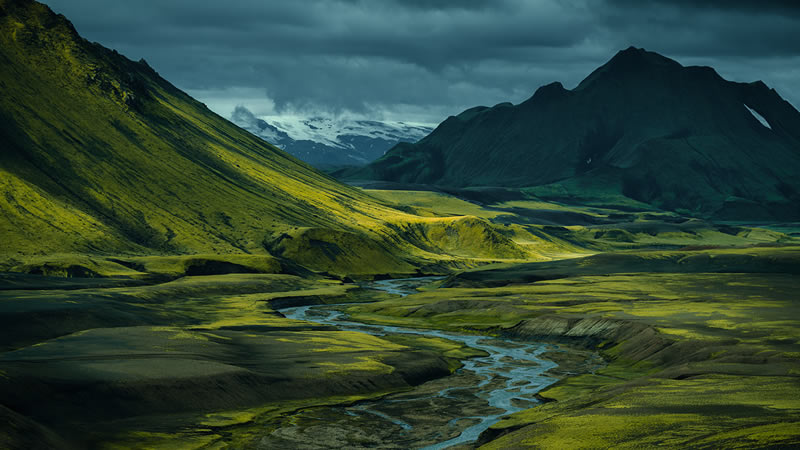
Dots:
(643, 121)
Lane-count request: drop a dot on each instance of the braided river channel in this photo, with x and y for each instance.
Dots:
(444, 413)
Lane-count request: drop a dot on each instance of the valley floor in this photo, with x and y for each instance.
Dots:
(697, 359)
(677, 333)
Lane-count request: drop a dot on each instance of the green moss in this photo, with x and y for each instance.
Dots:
(453, 350)
(163, 441)
(714, 410)
(693, 356)
(427, 203)
(144, 169)
(780, 434)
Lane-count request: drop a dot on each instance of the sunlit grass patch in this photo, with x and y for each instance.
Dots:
(715, 409)
(196, 439)
(363, 364)
(435, 202)
(178, 333)
(341, 341)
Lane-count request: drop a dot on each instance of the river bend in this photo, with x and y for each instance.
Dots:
(505, 381)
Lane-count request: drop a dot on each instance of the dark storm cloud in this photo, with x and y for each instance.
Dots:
(735, 28)
(428, 58)
(759, 7)
(443, 4)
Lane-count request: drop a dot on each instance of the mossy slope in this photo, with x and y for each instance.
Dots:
(102, 147)
(103, 156)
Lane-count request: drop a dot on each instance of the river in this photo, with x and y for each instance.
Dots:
(441, 413)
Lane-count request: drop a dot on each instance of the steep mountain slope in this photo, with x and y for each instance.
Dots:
(641, 125)
(327, 143)
(102, 155)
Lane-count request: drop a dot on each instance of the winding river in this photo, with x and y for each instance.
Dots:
(488, 387)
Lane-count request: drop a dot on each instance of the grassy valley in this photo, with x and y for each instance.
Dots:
(678, 310)
(702, 345)
(151, 253)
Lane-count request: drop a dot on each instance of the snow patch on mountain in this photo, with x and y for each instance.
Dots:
(330, 141)
(329, 131)
(758, 116)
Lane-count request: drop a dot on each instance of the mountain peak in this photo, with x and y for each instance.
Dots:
(638, 57)
(631, 62)
(632, 51)
(641, 126)
(549, 92)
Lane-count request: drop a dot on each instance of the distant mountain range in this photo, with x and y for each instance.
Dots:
(641, 126)
(324, 142)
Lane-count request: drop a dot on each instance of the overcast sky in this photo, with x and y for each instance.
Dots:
(422, 60)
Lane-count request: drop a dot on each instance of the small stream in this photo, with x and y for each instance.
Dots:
(503, 382)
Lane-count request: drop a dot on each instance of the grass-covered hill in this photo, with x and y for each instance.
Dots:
(642, 125)
(100, 155)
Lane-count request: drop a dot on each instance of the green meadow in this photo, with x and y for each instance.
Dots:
(696, 324)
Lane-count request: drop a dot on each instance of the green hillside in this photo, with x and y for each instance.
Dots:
(641, 126)
(101, 152)
(100, 155)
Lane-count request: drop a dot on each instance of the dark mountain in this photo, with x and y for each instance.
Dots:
(642, 125)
